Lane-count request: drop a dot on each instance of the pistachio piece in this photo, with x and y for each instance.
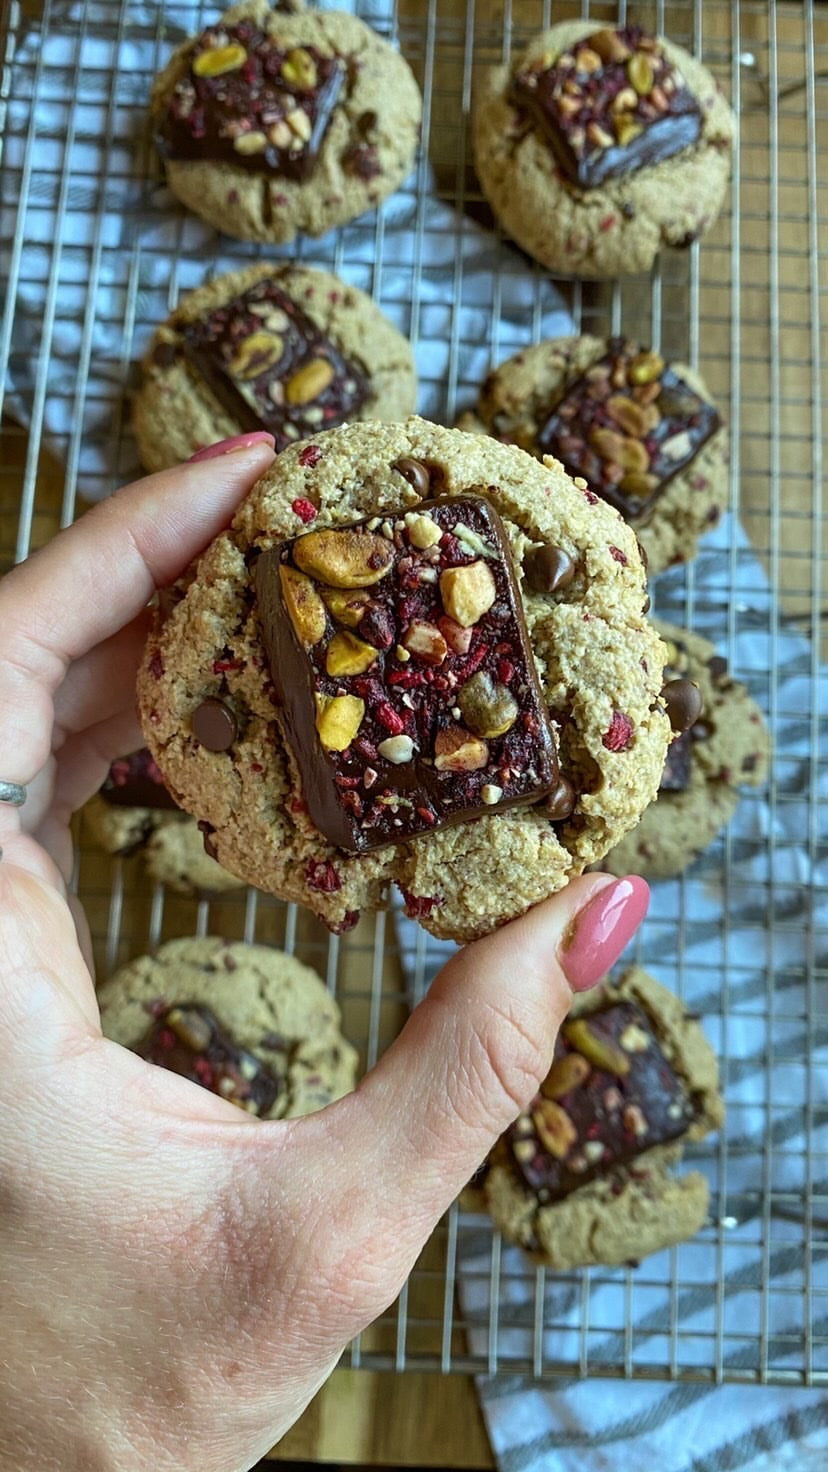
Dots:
(338, 718)
(190, 1027)
(607, 443)
(566, 1074)
(305, 608)
(346, 607)
(556, 1131)
(299, 68)
(626, 130)
(309, 381)
(467, 592)
(426, 642)
(645, 368)
(456, 750)
(640, 73)
(220, 59)
(255, 354)
(636, 484)
(345, 559)
(250, 143)
(602, 1052)
(627, 414)
(599, 136)
(488, 708)
(609, 45)
(348, 655)
(300, 124)
(633, 455)
(624, 100)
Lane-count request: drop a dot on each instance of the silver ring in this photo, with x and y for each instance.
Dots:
(12, 793)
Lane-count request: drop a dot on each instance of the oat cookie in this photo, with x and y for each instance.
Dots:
(583, 1176)
(596, 659)
(133, 812)
(727, 748)
(272, 124)
(597, 148)
(644, 433)
(247, 1022)
(278, 347)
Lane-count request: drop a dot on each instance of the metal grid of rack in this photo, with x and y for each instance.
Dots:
(95, 254)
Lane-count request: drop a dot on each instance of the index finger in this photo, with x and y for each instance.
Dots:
(94, 577)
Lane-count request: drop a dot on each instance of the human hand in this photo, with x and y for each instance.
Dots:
(177, 1278)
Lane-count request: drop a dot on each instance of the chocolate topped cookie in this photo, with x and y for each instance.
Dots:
(277, 347)
(582, 1176)
(272, 123)
(598, 147)
(727, 747)
(437, 672)
(248, 1023)
(644, 433)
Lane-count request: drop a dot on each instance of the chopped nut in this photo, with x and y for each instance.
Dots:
(601, 1052)
(678, 446)
(556, 1131)
(309, 381)
(599, 136)
(491, 793)
(626, 130)
(345, 559)
(523, 1151)
(626, 413)
(248, 143)
(304, 606)
(587, 60)
(488, 709)
(346, 607)
(256, 354)
(456, 750)
(634, 484)
(609, 45)
(280, 135)
(640, 73)
(397, 749)
(634, 1039)
(607, 443)
(300, 124)
(402, 654)
(633, 455)
(467, 592)
(566, 1073)
(423, 530)
(645, 368)
(190, 1027)
(634, 1121)
(593, 1150)
(613, 1099)
(624, 100)
(348, 655)
(426, 641)
(219, 60)
(299, 68)
(338, 718)
(457, 638)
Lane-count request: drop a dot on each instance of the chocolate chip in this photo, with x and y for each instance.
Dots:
(645, 607)
(164, 354)
(717, 667)
(684, 704)
(547, 568)
(561, 801)
(214, 725)
(416, 473)
(207, 830)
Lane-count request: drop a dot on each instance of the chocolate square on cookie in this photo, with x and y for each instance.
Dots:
(401, 660)
(135, 782)
(611, 104)
(187, 1040)
(628, 425)
(271, 367)
(245, 99)
(610, 1095)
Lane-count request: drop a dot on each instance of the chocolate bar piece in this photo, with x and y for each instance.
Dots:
(610, 1095)
(628, 425)
(245, 100)
(401, 660)
(271, 367)
(135, 782)
(187, 1040)
(611, 104)
(676, 774)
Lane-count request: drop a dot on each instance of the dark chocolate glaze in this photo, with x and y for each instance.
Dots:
(187, 1039)
(522, 762)
(135, 782)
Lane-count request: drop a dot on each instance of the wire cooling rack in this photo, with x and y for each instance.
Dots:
(95, 253)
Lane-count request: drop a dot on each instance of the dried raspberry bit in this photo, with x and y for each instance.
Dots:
(618, 556)
(620, 732)
(420, 906)
(320, 875)
(156, 666)
(310, 456)
(224, 665)
(348, 921)
(298, 805)
(389, 719)
(607, 223)
(590, 497)
(304, 509)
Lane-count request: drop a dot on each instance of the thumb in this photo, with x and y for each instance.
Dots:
(474, 1052)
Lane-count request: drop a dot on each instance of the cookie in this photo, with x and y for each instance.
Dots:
(134, 812)
(277, 347)
(584, 1175)
(272, 124)
(644, 433)
(580, 587)
(726, 749)
(597, 148)
(247, 1022)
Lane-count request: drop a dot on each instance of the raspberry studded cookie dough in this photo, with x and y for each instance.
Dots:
(597, 148)
(644, 433)
(249, 1023)
(434, 669)
(726, 748)
(583, 1176)
(134, 813)
(283, 348)
(272, 124)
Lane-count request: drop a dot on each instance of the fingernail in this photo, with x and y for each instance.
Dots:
(599, 932)
(238, 442)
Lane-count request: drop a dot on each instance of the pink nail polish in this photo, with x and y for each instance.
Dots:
(599, 932)
(238, 442)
